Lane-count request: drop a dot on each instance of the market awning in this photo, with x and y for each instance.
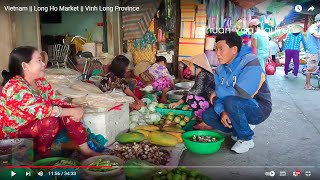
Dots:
(136, 23)
(246, 4)
(281, 37)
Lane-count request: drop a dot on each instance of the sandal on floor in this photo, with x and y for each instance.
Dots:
(202, 126)
(310, 88)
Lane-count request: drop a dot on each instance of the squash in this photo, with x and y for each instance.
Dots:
(130, 137)
(147, 128)
(162, 139)
(172, 129)
(177, 135)
(145, 133)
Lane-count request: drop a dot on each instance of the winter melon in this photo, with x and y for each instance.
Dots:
(147, 128)
(162, 139)
(173, 129)
(145, 133)
(130, 137)
(177, 135)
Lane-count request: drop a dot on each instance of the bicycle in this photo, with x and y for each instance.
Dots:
(92, 66)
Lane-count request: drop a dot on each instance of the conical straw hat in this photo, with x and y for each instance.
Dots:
(200, 60)
(296, 29)
(141, 67)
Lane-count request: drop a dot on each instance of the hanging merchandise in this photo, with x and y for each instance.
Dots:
(161, 36)
(210, 43)
(249, 13)
(148, 38)
(212, 57)
(262, 21)
(229, 13)
(222, 13)
(135, 23)
(227, 23)
(147, 54)
(168, 5)
(244, 18)
(212, 22)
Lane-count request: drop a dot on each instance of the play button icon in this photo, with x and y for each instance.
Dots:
(13, 173)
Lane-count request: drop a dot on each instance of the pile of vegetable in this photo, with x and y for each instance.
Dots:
(170, 136)
(180, 173)
(146, 115)
(204, 139)
(143, 151)
(63, 162)
(171, 120)
(101, 162)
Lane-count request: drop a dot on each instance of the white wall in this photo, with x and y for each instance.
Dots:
(17, 29)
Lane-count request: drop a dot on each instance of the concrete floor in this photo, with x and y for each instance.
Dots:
(288, 140)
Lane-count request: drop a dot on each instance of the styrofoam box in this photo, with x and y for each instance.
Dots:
(107, 123)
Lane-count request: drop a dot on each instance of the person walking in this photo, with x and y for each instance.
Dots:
(292, 49)
(260, 41)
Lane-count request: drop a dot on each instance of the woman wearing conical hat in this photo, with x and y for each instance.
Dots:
(292, 49)
(199, 95)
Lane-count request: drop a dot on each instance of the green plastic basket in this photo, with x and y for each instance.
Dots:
(200, 147)
(189, 125)
(188, 113)
(177, 111)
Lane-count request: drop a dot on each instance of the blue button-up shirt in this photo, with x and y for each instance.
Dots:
(312, 41)
(293, 42)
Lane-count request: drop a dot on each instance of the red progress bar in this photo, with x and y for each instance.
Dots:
(54, 167)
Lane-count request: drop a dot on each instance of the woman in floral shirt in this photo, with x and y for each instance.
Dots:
(203, 90)
(29, 107)
(159, 76)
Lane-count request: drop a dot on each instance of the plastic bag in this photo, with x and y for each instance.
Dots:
(270, 67)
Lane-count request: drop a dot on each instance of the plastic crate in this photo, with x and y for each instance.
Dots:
(176, 111)
(189, 113)
(189, 125)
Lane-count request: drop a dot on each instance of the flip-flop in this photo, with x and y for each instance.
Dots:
(310, 88)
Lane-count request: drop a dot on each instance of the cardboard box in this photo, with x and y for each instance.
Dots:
(190, 47)
(201, 19)
(188, 4)
(188, 14)
(201, 8)
(187, 29)
(200, 32)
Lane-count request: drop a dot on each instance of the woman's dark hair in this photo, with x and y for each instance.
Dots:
(17, 57)
(161, 59)
(232, 39)
(119, 65)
